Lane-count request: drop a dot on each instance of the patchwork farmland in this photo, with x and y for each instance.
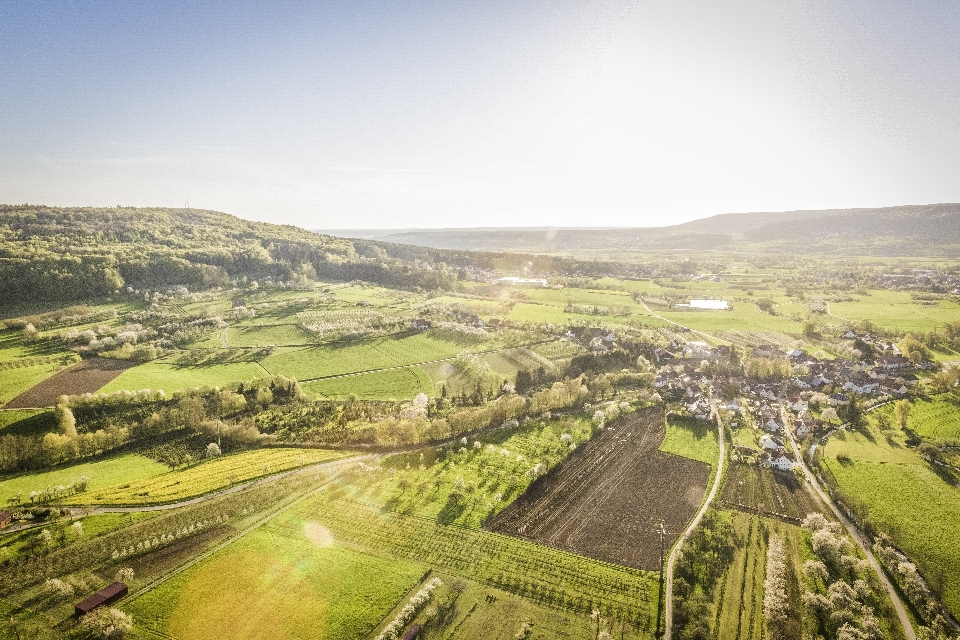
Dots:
(608, 500)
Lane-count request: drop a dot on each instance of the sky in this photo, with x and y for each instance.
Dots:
(461, 113)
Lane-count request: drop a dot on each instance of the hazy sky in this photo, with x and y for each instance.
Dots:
(460, 113)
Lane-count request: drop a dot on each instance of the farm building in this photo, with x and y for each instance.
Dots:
(706, 304)
(106, 595)
(5, 519)
(522, 282)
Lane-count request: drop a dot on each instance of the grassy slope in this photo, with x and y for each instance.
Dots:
(936, 418)
(207, 476)
(161, 374)
(690, 438)
(397, 384)
(905, 499)
(102, 473)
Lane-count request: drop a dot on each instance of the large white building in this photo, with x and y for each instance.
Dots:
(522, 282)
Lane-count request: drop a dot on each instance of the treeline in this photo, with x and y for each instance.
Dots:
(50, 253)
(91, 424)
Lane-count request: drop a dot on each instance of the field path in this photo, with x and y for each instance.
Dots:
(668, 590)
(858, 537)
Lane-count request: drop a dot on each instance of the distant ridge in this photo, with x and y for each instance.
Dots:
(902, 230)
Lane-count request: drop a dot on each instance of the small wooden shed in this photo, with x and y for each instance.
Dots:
(106, 595)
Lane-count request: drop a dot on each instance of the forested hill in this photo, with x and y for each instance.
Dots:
(52, 253)
(67, 254)
(906, 230)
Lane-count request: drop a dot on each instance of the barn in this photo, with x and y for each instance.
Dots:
(106, 595)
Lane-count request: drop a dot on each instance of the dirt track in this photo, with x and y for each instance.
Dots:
(84, 377)
(606, 501)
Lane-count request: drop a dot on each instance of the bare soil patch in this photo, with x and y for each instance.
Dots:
(777, 494)
(83, 377)
(607, 499)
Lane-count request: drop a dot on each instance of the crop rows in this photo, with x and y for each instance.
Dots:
(759, 490)
(211, 476)
(755, 338)
(548, 576)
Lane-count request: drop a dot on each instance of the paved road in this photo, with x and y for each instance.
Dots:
(855, 533)
(668, 589)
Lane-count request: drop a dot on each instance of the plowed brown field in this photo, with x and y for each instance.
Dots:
(607, 500)
(84, 377)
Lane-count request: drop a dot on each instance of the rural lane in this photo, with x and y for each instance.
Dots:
(668, 589)
(854, 532)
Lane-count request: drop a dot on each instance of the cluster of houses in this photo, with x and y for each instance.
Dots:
(596, 339)
(920, 279)
(467, 318)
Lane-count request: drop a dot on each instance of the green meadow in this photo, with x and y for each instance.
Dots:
(903, 497)
(117, 470)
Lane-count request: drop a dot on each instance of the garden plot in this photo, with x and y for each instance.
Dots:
(608, 499)
(85, 377)
(760, 490)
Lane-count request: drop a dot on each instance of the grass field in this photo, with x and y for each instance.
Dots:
(691, 438)
(743, 316)
(15, 381)
(205, 477)
(318, 362)
(906, 499)
(897, 311)
(296, 584)
(257, 336)
(397, 384)
(102, 473)
(162, 374)
(27, 422)
(93, 526)
(934, 419)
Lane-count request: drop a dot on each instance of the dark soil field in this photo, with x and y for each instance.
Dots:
(607, 500)
(84, 377)
(759, 490)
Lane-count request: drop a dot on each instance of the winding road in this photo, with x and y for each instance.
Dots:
(854, 532)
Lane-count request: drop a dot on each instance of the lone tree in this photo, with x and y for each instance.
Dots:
(213, 450)
(901, 412)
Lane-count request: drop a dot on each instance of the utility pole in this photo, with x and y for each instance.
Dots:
(663, 535)
(218, 447)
